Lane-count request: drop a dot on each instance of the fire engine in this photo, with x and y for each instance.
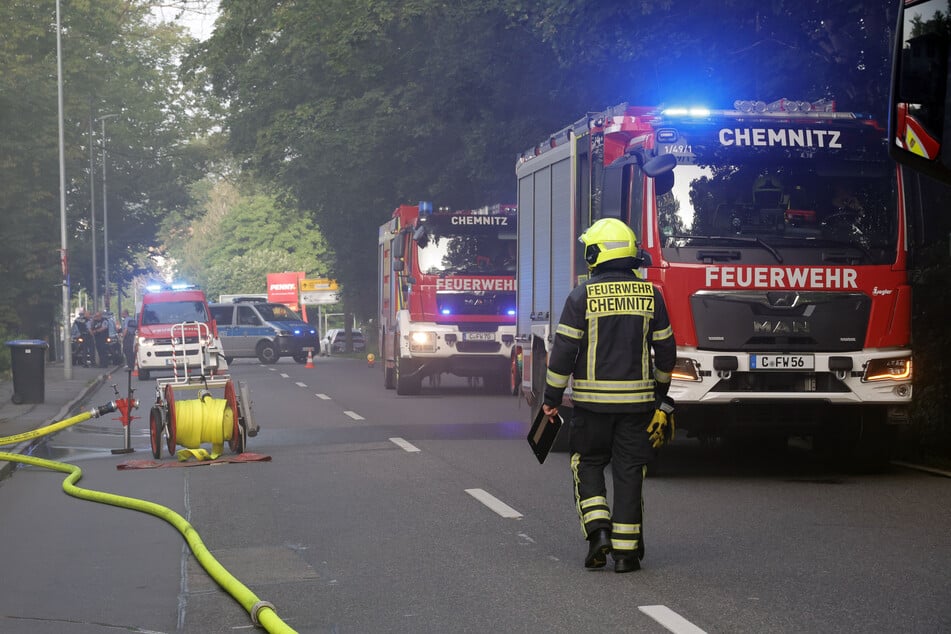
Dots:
(447, 295)
(778, 241)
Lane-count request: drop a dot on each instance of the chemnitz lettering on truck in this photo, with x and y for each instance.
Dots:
(812, 277)
(475, 284)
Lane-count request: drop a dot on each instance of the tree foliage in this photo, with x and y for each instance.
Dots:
(237, 238)
(115, 61)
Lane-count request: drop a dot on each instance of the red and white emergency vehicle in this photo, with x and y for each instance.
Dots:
(780, 248)
(447, 295)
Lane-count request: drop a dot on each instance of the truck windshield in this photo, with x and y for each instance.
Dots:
(802, 201)
(173, 313)
(468, 249)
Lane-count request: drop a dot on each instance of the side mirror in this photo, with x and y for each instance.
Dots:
(919, 120)
(398, 266)
(663, 183)
(659, 165)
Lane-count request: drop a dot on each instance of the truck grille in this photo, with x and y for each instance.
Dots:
(795, 382)
(788, 321)
(484, 347)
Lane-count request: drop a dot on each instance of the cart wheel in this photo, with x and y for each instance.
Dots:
(236, 442)
(171, 427)
(155, 431)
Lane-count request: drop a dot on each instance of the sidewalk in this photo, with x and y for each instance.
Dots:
(61, 397)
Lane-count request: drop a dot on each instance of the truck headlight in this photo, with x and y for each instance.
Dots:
(888, 370)
(144, 341)
(685, 370)
(422, 341)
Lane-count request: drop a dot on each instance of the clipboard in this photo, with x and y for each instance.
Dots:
(542, 435)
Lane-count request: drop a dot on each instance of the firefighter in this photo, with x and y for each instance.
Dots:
(609, 326)
(100, 333)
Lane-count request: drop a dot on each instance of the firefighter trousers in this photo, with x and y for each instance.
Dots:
(619, 439)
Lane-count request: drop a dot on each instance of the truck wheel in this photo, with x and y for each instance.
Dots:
(301, 357)
(267, 353)
(406, 382)
(143, 375)
(389, 381)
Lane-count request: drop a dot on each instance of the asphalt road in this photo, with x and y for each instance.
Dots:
(382, 513)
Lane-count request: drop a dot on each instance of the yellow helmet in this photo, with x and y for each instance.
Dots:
(608, 239)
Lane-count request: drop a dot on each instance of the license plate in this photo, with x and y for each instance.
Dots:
(478, 336)
(782, 362)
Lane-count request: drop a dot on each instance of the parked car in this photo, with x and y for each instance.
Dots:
(265, 330)
(335, 341)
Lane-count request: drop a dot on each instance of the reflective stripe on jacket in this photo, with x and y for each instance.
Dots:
(609, 325)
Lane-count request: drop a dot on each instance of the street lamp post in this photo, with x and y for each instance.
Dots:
(105, 212)
(64, 259)
(92, 215)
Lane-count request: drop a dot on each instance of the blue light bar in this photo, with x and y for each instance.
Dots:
(425, 208)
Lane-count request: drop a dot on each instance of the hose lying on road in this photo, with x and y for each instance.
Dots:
(262, 612)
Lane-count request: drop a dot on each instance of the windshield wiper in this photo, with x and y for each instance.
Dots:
(747, 239)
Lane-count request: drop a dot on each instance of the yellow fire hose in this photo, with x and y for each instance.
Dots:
(262, 612)
(201, 420)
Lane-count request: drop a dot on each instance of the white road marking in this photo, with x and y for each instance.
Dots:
(670, 619)
(354, 415)
(322, 397)
(301, 384)
(494, 503)
(284, 376)
(399, 442)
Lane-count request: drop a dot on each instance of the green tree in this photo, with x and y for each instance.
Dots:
(240, 238)
(115, 61)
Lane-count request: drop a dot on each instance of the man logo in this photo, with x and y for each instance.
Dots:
(781, 326)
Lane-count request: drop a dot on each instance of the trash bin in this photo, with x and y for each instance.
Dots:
(29, 370)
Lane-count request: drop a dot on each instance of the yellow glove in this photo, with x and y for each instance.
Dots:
(661, 428)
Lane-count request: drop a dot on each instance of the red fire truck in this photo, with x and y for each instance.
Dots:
(778, 241)
(447, 295)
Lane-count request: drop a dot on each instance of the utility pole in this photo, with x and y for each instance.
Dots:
(105, 212)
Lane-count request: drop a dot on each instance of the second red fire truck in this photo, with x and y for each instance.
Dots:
(447, 295)
(778, 241)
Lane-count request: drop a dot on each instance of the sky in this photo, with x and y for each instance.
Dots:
(198, 17)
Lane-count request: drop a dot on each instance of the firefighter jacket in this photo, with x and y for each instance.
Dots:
(609, 325)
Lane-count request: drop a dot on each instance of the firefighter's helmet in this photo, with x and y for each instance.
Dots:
(608, 239)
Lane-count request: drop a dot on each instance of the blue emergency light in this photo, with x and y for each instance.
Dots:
(425, 208)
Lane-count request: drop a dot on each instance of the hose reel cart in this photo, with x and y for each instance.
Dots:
(189, 422)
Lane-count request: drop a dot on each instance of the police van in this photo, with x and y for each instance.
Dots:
(252, 328)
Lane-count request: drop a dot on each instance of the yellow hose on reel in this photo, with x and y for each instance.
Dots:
(199, 421)
(263, 613)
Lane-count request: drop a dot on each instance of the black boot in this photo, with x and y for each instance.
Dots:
(627, 562)
(599, 545)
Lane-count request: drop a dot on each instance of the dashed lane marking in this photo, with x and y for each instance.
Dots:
(670, 619)
(285, 376)
(322, 397)
(354, 415)
(406, 446)
(301, 384)
(494, 503)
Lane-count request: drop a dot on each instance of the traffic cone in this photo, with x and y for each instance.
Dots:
(310, 359)
(135, 370)
(370, 359)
